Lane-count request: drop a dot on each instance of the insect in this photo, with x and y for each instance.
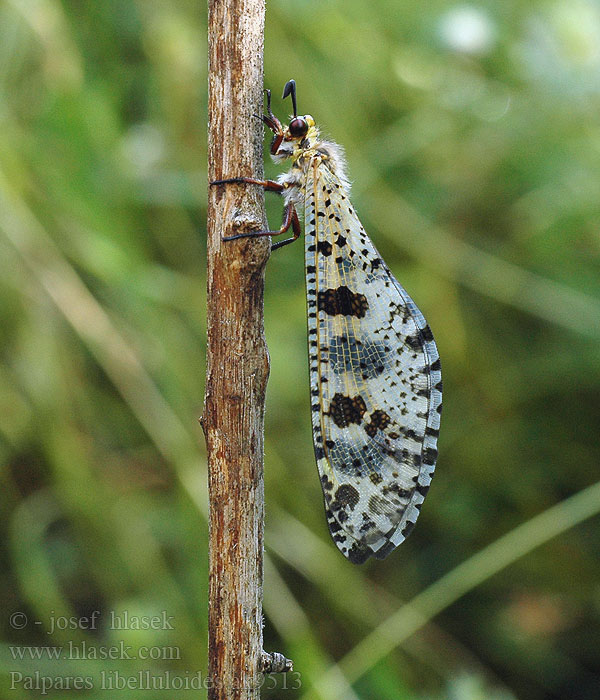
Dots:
(375, 374)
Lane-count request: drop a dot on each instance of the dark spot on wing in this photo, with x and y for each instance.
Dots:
(427, 334)
(345, 497)
(413, 341)
(379, 420)
(342, 302)
(358, 553)
(346, 409)
(324, 247)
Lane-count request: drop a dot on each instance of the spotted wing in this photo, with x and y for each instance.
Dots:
(375, 379)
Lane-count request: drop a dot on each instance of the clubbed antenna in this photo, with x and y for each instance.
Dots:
(290, 89)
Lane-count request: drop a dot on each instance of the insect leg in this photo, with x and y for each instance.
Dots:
(290, 218)
(269, 185)
(295, 223)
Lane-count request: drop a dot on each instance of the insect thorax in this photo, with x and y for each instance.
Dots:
(310, 153)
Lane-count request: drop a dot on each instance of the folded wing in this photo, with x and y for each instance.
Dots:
(375, 379)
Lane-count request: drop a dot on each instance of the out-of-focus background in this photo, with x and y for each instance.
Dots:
(473, 139)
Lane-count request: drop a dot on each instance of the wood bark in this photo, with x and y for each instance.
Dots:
(237, 358)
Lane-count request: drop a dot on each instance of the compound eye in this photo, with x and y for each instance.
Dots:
(298, 127)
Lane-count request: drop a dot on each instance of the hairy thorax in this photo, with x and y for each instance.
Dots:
(311, 152)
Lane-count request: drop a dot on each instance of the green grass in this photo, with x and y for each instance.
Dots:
(476, 174)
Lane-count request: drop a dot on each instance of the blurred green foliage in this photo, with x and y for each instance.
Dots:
(473, 139)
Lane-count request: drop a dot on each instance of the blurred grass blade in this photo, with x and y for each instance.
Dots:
(462, 579)
(96, 329)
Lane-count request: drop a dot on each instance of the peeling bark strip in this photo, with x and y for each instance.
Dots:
(237, 359)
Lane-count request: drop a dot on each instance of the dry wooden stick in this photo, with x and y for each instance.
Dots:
(237, 358)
